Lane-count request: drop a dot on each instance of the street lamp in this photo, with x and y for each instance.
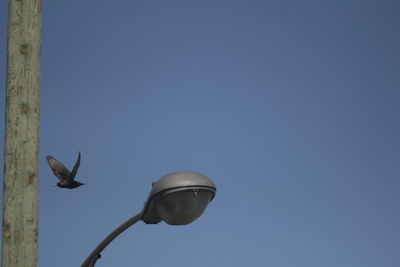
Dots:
(177, 198)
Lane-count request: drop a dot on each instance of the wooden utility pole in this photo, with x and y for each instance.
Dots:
(21, 172)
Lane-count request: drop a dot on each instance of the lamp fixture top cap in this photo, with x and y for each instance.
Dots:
(181, 179)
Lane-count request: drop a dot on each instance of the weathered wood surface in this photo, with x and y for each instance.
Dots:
(21, 174)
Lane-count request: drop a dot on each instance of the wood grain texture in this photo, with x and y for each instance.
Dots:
(21, 174)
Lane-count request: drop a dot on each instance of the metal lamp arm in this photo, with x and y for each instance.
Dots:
(95, 255)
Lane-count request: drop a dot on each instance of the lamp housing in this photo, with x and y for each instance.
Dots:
(178, 198)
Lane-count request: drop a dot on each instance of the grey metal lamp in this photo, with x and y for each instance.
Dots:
(177, 198)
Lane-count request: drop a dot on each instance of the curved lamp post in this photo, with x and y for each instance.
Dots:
(177, 198)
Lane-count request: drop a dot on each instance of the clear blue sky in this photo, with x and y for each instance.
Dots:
(291, 107)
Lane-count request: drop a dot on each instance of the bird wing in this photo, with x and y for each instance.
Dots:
(75, 169)
(58, 169)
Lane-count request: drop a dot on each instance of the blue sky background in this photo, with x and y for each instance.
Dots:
(290, 107)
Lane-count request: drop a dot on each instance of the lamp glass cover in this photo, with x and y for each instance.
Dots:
(183, 207)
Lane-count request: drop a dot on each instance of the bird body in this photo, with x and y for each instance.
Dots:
(66, 177)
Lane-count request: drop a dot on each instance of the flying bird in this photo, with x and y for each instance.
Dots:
(66, 177)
